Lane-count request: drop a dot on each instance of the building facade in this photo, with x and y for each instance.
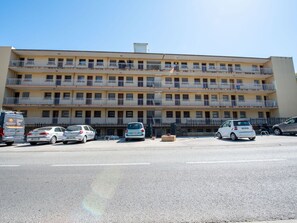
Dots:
(109, 89)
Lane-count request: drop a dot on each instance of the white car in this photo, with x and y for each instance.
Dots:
(50, 134)
(135, 130)
(79, 133)
(235, 129)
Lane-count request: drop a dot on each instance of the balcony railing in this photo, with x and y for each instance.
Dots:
(155, 84)
(120, 102)
(131, 66)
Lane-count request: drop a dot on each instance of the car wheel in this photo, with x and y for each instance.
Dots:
(277, 131)
(9, 143)
(219, 135)
(143, 139)
(252, 138)
(53, 140)
(84, 139)
(233, 137)
(65, 142)
(33, 143)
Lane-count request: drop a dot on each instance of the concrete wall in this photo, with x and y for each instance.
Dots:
(5, 53)
(286, 86)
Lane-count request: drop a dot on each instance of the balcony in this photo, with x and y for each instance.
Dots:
(120, 102)
(130, 67)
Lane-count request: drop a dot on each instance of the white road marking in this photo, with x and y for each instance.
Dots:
(8, 165)
(235, 161)
(99, 164)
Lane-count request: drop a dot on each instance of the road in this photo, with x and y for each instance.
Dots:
(191, 180)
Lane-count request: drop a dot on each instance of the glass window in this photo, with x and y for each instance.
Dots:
(169, 114)
(45, 113)
(129, 79)
(224, 81)
(256, 82)
(240, 97)
(98, 96)
(47, 95)
(237, 67)
(79, 96)
(111, 79)
(185, 97)
(168, 97)
(242, 114)
(239, 81)
(168, 80)
(167, 64)
(82, 62)
(211, 66)
(227, 114)
(196, 66)
(111, 96)
(215, 114)
(78, 114)
(67, 78)
(98, 79)
(28, 77)
(199, 114)
(214, 97)
(113, 63)
(223, 66)
(255, 68)
(129, 96)
(260, 114)
(69, 61)
(258, 98)
(111, 114)
(30, 61)
(25, 94)
(97, 114)
(153, 65)
(51, 61)
(99, 62)
(184, 65)
(198, 97)
(49, 78)
(129, 114)
(80, 78)
(213, 82)
(66, 95)
(186, 114)
(197, 81)
(185, 80)
(65, 114)
(225, 97)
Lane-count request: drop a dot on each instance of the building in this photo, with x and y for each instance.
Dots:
(110, 89)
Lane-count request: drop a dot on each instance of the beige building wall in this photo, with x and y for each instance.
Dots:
(5, 52)
(286, 86)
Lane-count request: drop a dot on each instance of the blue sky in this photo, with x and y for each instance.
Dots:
(256, 28)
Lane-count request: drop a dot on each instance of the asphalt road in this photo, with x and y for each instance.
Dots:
(191, 180)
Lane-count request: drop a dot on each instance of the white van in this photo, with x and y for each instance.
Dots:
(135, 130)
(12, 127)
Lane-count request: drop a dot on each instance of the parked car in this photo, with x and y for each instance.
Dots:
(287, 127)
(12, 127)
(79, 133)
(49, 134)
(235, 129)
(135, 130)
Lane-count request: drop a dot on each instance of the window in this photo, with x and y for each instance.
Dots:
(49, 78)
(113, 63)
(51, 61)
(129, 114)
(197, 81)
(185, 80)
(45, 113)
(66, 95)
(198, 97)
(129, 97)
(98, 79)
(184, 65)
(82, 62)
(111, 114)
(169, 114)
(186, 114)
(213, 82)
(225, 97)
(28, 77)
(99, 63)
(25, 113)
(79, 96)
(167, 64)
(199, 114)
(227, 114)
(224, 81)
(98, 96)
(168, 97)
(168, 80)
(78, 114)
(153, 65)
(242, 114)
(240, 97)
(67, 78)
(25, 94)
(255, 68)
(211, 66)
(239, 81)
(80, 78)
(260, 114)
(215, 114)
(196, 66)
(65, 114)
(258, 98)
(223, 66)
(111, 79)
(97, 114)
(111, 96)
(30, 61)
(185, 97)
(237, 67)
(69, 61)
(129, 79)
(214, 97)
(256, 82)
(47, 95)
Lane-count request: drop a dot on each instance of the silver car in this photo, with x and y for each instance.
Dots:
(289, 126)
(50, 134)
(135, 130)
(79, 133)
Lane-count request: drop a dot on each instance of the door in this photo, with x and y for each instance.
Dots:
(232, 83)
(178, 117)
(16, 97)
(176, 82)
(19, 79)
(22, 62)
(234, 115)
(91, 64)
(261, 70)
(230, 68)
(176, 66)
(264, 85)
(88, 117)
(140, 116)
(90, 80)
(89, 98)
(205, 83)
(58, 80)
(206, 100)
(60, 62)
(267, 114)
(120, 99)
(140, 65)
(140, 99)
(150, 117)
(121, 82)
(55, 117)
(265, 101)
(150, 99)
(57, 98)
(120, 117)
(140, 82)
(233, 100)
(177, 99)
(207, 118)
(204, 67)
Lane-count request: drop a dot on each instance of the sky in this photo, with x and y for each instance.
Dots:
(252, 28)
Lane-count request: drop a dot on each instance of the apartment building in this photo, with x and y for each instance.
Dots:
(109, 89)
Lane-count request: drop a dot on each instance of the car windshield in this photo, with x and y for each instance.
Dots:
(241, 123)
(73, 128)
(134, 126)
(43, 129)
